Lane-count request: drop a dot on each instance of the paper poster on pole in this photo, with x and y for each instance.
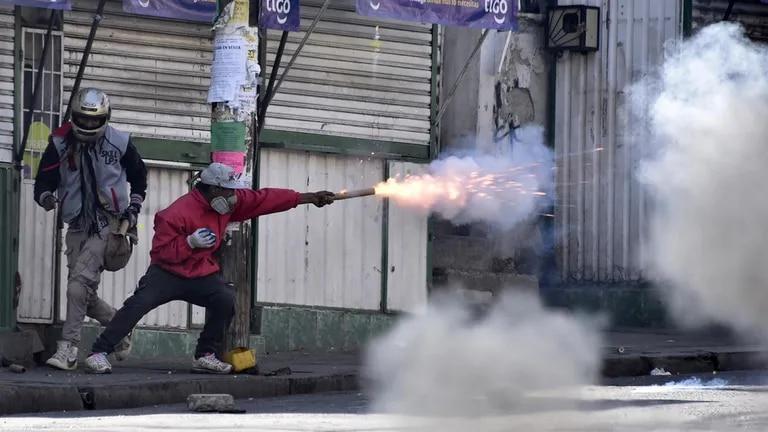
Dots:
(228, 70)
(240, 13)
(245, 103)
(234, 159)
(228, 136)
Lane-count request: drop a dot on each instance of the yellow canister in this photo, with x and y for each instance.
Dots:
(241, 358)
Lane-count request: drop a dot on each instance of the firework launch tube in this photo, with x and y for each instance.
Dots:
(354, 194)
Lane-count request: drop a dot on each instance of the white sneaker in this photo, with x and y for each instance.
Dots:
(97, 363)
(65, 357)
(123, 349)
(210, 364)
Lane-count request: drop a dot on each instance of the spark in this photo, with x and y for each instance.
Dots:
(426, 191)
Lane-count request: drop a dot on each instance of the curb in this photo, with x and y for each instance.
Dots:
(16, 399)
(684, 363)
(29, 398)
(38, 398)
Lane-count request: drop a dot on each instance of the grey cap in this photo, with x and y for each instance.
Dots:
(218, 174)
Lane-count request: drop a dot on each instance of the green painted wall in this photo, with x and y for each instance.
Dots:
(286, 328)
(626, 306)
(147, 344)
(9, 242)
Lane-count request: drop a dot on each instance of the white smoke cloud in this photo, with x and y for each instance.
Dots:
(708, 236)
(450, 362)
(500, 189)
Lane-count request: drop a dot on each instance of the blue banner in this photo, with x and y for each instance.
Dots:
(280, 15)
(45, 4)
(189, 10)
(490, 14)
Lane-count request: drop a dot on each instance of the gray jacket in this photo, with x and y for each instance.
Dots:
(114, 163)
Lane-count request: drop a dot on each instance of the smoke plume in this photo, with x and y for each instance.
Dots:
(708, 235)
(501, 189)
(449, 362)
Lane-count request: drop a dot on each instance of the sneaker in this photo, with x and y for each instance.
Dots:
(97, 363)
(123, 349)
(208, 363)
(65, 357)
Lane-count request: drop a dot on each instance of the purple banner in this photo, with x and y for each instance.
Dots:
(490, 14)
(280, 15)
(189, 10)
(45, 4)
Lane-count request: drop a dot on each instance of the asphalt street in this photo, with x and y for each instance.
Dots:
(722, 402)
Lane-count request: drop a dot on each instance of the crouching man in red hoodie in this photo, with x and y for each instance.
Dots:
(183, 265)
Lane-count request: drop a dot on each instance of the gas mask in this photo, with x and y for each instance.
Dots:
(223, 205)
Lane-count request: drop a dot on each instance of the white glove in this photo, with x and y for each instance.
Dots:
(202, 238)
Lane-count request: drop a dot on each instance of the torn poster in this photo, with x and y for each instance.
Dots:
(228, 70)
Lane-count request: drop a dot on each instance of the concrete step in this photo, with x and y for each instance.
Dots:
(140, 384)
(20, 346)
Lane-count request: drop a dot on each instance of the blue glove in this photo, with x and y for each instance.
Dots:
(202, 238)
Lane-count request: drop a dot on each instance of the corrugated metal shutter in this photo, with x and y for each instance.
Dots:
(346, 82)
(601, 209)
(36, 258)
(321, 257)
(6, 83)
(406, 250)
(155, 71)
(165, 186)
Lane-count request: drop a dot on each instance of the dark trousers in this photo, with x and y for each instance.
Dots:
(158, 287)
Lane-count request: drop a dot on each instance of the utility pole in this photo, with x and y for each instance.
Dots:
(233, 95)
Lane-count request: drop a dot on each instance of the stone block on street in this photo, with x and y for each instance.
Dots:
(210, 402)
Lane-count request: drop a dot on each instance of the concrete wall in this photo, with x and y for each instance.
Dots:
(498, 89)
(505, 87)
(750, 13)
(458, 126)
(522, 85)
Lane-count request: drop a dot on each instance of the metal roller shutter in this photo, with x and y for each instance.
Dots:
(155, 71)
(346, 82)
(6, 83)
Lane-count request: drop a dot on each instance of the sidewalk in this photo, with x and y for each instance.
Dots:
(134, 385)
(635, 353)
(625, 353)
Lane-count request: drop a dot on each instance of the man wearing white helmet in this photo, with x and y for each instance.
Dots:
(185, 266)
(97, 178)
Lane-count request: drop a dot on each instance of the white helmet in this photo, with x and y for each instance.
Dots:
(90, 114)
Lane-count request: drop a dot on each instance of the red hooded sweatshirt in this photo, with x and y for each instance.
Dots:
(170, 250)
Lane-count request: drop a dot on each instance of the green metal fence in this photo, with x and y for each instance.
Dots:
(9, 242)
